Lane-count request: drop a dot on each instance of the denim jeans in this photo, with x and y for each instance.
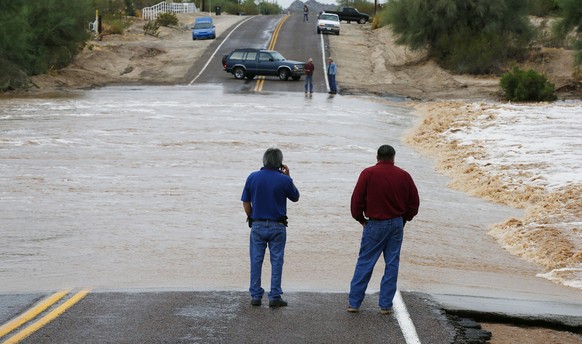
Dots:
(273, 235)
(308, 83)
(332, 86)
(379, 237)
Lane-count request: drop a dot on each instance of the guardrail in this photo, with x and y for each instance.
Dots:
(151, 13)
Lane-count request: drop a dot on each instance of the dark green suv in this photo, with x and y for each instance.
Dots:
(248, 63)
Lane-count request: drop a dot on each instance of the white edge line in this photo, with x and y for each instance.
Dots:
(215, 51)
(404, 320)
(324, 65)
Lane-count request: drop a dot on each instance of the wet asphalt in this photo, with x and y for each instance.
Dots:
(228, 317)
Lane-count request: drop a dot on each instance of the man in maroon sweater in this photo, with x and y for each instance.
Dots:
(385, 197)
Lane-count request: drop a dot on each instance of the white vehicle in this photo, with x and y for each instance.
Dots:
(328, 22)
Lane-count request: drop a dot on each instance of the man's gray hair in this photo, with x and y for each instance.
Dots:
(386, 152)
(273, 158)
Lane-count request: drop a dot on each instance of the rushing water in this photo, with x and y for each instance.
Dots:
(132, 188)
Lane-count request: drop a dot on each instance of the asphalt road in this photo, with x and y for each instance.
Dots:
(226, 317)
(296, 40)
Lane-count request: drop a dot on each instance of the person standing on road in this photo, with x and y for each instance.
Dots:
(309, 68)
(305, 13)
(264, 200)
(387, 196)
(331, 71)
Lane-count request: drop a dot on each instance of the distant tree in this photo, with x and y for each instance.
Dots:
(266, 7)
(571, 11)
(249, 7)
(39, 35)
(60, 29)
(16, 35)
(467, 36)
(543, 8)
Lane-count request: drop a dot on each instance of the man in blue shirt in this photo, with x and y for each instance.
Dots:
(331, 71)
(264, 200)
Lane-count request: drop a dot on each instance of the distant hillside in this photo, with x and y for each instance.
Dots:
(314, 6)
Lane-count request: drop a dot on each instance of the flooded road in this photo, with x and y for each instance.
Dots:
(139, 188)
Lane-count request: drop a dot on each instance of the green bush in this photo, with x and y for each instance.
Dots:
(41, 35)
(151, 28)
(167, 19)
(571, 22)
(519, 85)
(113, 26)
(543, 8)
(456, 32)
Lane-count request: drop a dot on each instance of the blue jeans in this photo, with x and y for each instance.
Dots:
(309, 82)
(332, 86)
(379, 237)
(273, 235)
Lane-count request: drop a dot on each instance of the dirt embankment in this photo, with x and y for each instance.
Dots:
(369, 61)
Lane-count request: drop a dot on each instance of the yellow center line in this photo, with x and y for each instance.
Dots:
(47, 318)
(261, 80)
(31, 313)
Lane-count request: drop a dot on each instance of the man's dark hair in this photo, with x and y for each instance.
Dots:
(273, 158)
(386, 152)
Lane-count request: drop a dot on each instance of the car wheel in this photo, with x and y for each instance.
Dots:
(283, 74)
(362, 21)
(318, 31)
(337, 33)
(239, 73)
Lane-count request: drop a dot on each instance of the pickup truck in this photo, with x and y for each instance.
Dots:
(248, 62)
(350, 14)
(328, 22)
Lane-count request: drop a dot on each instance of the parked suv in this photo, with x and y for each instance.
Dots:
(248, 63)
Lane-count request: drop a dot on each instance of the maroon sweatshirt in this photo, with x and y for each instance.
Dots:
(384, 191)
(309, 68)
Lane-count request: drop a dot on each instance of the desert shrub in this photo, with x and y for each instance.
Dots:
(454, 31)
(39, 35)
(113, 26)
(519, 85)
(375, 22)
(543, 8)
(249, 7)
(570, 23)
(151, 28)
(266, 7)
(230, 7)
(167, 19)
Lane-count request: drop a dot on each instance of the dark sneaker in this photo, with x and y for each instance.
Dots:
(255, 302)
(277, 303)
(386, 311)
(353, 309)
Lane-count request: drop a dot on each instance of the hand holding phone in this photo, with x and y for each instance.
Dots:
(284, 169)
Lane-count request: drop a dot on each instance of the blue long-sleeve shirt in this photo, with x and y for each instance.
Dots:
(268, 190)
(331, 68)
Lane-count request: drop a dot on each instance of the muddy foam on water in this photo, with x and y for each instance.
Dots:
(527, 156)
